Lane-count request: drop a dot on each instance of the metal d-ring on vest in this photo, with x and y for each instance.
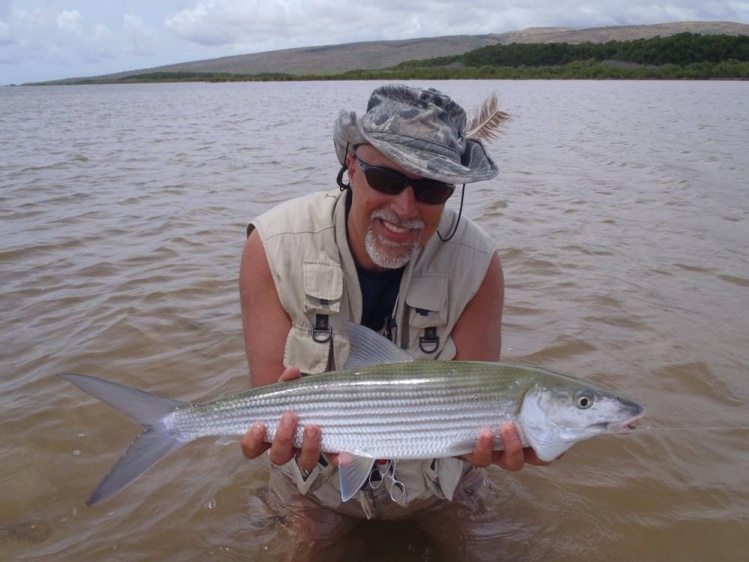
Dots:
(321, 331)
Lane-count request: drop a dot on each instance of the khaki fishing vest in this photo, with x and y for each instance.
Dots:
(306, 246)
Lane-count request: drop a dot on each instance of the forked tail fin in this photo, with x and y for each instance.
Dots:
(146, 409)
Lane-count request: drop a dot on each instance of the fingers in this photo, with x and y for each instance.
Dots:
(289, 374)
(253, 442)
(311, 448)
(512, 458)
(282, 448)
(484, 448)
(310, 452)
(482, 453)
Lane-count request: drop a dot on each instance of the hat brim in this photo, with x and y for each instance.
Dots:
(417, 156)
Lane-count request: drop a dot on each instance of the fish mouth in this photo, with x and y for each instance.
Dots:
(626, 426)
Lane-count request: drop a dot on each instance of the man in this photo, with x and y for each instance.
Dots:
(385, 252)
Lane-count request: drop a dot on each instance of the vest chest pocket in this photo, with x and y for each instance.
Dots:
(427, 302)
(323, 290)
(309, 344)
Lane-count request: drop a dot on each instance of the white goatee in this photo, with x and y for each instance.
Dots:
(386, 253)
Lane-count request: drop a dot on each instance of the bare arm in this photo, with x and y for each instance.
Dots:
(478, 337)
(266, 326)
(478, 332)
(264, 320)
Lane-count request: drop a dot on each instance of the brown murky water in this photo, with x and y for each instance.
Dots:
(622, 215)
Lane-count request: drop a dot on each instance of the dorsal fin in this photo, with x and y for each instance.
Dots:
(370, 348)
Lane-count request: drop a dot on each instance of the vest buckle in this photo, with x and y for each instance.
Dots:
(321, 331)
(430, 341)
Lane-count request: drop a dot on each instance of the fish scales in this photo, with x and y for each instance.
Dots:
(389, 411)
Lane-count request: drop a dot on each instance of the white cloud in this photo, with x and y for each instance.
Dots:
(59, 39)
(101, 32)
(5, 36)
(143, 38)
(262, 24)
(226, 22)
(69, 20)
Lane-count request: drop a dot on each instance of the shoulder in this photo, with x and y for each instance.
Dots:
(469, 235)
(468, 252)
(299, 215)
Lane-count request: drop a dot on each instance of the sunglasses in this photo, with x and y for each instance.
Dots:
(390, 182)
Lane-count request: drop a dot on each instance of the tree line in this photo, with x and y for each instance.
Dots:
(681, 49)
(577, 70)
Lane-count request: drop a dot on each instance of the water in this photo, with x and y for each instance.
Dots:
(622, 218)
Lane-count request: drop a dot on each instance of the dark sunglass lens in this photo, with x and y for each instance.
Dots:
(384, 180)
(434, 194)
(390, 182)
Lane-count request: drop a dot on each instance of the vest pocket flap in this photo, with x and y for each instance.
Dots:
(304, 352)
(323, 287)
(427, 299)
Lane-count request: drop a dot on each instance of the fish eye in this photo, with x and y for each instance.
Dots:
(584, 399)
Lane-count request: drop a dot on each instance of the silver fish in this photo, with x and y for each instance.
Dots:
(384, 406)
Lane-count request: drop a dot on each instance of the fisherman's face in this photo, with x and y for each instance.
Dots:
(386, 231)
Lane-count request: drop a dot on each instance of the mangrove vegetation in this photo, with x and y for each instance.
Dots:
(681, 56)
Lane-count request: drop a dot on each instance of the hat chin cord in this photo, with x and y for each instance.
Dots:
(339, 179)
(457, 222)
(345, 186)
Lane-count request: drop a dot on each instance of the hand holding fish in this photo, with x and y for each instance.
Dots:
(282, 448)
(513, 457)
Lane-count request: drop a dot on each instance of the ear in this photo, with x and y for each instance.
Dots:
(350, 165)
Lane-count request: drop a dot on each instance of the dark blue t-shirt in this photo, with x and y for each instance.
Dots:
(379, 293)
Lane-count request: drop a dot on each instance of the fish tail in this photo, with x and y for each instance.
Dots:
(146, 409)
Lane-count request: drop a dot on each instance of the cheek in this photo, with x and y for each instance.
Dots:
(365, 202)
(360, 214)
(431, 215)
(362, 207)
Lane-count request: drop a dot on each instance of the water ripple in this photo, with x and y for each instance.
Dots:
(620, 216)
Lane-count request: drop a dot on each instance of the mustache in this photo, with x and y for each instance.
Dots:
(390, 216)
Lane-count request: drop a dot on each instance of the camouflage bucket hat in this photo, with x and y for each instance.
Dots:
(422, 130)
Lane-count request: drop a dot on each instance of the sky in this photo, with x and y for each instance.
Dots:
(53, 39)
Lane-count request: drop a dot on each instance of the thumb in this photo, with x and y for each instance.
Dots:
(289, 374)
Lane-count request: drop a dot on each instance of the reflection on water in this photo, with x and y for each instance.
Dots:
(621, 214)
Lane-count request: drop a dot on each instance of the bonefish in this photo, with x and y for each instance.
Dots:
(385, 405)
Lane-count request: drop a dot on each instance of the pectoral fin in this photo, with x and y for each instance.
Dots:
(354, 472)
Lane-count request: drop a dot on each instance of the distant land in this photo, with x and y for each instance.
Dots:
(374, 55)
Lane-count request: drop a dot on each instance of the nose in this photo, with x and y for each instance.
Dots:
(404, 204)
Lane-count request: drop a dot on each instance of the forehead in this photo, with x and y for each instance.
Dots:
(372, 156)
